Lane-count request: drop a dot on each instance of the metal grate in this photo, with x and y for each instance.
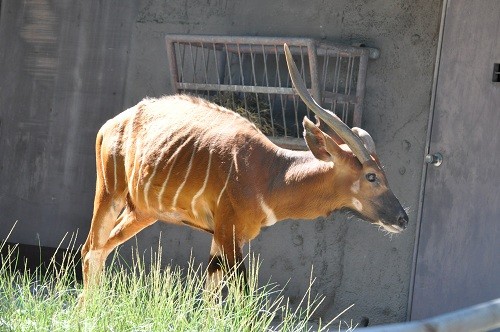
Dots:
(249, 75)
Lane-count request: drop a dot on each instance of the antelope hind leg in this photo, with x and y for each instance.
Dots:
(221, 259)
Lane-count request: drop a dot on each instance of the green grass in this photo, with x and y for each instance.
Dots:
(145, 298)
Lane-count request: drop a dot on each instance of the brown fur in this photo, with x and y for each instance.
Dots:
(224, 177)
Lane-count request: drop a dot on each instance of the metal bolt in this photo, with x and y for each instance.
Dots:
(435, 159)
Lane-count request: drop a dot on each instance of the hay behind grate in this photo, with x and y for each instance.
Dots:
(257, 111)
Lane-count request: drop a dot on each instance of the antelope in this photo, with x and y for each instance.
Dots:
(183, 160)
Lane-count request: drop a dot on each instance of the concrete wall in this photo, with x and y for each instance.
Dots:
(108, 57)
(62, 74)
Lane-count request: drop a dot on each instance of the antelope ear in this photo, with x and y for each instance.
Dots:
(329, 131)
(320, 144)
(365, 138)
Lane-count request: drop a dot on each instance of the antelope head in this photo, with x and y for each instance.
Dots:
(368, 193)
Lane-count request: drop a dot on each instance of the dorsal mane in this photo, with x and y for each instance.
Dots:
(206, 106)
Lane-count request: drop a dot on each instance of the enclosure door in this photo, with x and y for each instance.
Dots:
(458, 257)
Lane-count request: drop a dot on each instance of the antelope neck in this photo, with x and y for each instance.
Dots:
(294, 175)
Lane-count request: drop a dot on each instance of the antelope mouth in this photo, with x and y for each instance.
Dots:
(390, 227)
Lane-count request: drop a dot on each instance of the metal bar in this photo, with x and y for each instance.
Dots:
(242, 78)
(295, 49)
(266, 41)
(230, 74)
(276, 82)
(268, 94)
(346, 84)
(236, 88)
(281, 96)
(183, 57)
(252, 64)
(481, 317)
(336, 78)
(313, 68)
(220, 70)
(219, 57)
(350, 70)
(326, 58)
(294, 100)
(288, 83)
(257, 102)
(269, 43)
(240, 63)
(172, 64)
(336, 73)
(351, 75)
(360, 92)
(193, 63)
(205, 62)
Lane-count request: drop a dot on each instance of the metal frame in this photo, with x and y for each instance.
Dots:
(255, 67)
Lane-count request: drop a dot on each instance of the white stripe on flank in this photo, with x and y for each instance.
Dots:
(114, 168)
(132, 175)
(270, 216)
(139, 175)
(164, 185)
(225, 184)
(178, 192)
(155, 169)
(147, 185)
(202, 189)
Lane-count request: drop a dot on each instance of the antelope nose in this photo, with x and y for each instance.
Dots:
(403, 219)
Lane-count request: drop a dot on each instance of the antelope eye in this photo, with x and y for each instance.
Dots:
(371, 177)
